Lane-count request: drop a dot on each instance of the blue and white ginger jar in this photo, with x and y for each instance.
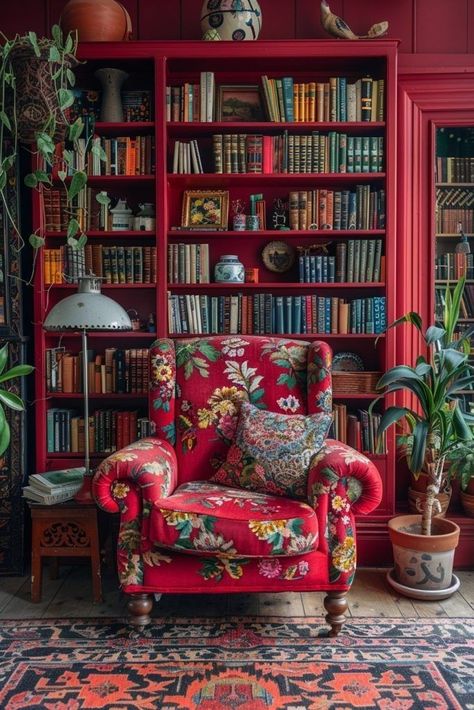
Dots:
(229, 270)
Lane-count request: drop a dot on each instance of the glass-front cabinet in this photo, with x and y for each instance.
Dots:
(454, 223)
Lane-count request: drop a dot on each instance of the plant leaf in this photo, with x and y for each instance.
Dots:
(103, 198)
(75, 129)
(34, 43)
(434, 333)
(54, 55)
(5, 120)
(16, 371)
(82, 241)
(42, 176)
(72, 228)
(4, 432)
(3, 357)
(79, 180)
(12, 400)
(391, 416)
(31, 180)
(416, 459)
(66, 98)
(71, 77)
(57, 35)
(35, 241)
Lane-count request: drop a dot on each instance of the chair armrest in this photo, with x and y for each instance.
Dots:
(147, 467)
(341, 482)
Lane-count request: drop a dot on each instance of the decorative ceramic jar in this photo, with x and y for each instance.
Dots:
(96, 20)
(145, 220)
(121, 217)
(231, 19)
(111, 110)
(229, 270)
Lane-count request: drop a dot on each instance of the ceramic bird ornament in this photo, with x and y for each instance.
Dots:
(336, 26)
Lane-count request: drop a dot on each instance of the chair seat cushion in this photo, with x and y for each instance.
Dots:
(204, 517)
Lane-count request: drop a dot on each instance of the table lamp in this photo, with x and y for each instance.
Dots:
(86, 311)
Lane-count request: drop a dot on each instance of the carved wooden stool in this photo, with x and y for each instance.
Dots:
(65, 530)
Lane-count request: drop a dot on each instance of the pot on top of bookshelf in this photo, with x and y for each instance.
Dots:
(97, 20)
(230, 20)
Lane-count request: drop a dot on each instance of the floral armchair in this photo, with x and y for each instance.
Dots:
(181, 532)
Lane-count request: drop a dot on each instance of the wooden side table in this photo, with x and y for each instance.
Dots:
(64, 530)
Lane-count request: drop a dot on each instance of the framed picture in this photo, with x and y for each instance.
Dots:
(205, 209)
(239, 102)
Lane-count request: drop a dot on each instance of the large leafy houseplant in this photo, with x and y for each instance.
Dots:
(42, 121)
(7, 398)
(437, 432)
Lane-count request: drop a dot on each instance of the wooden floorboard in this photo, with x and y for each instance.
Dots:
(70, 596)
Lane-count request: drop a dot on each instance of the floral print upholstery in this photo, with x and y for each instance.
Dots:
(272, 452)
(196, 391)
(204, 517)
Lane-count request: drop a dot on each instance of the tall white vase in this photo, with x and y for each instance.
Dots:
(111, 79)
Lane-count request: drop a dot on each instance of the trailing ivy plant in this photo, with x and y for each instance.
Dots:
(59, 56)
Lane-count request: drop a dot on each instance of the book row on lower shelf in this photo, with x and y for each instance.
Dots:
(452, 266)
(358, 429)
(109, 430)
(455, 169)
(124, 155)
(115, 264)
(449, 218)
(116, 370)
(466, 309)
(265, 314)
(240, 153)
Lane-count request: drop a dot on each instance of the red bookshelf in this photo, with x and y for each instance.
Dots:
(156, 65)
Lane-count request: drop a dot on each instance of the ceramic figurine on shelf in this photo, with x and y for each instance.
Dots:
(335, 25)
(235, 20)
(279, 216)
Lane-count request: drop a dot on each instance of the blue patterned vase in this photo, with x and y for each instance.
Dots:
(229, 270)
(231, 19)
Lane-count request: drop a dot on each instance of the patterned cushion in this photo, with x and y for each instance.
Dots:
(272, 452)
(203, 517)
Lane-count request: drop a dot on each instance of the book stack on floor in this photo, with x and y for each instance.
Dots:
(54, 487)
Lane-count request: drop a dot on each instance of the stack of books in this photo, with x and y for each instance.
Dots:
(53, 487)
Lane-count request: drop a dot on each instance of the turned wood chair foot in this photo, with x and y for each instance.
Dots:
(336, 605)
(139, 607)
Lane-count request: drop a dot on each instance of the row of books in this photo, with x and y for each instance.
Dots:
(287, 153)
(454, 197)
(452, 266)
(90, 214)
(136, 104)
(109, 430)
(265, 314)
(186, 157)
(123, 155)
(467, 302)
(455, 169)
(362, 208)
(337, 99)
(188, 263)
(358, 429)
(448, 220)
(116, 265)
(192, 102)
(116, 370)
(53, 487)
(355, 261)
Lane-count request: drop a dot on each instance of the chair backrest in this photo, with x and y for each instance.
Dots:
(197, 385)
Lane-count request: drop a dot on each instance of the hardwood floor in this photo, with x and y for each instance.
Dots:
(71, 596)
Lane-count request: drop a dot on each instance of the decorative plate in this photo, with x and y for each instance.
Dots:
(278, 256)
(347, 362)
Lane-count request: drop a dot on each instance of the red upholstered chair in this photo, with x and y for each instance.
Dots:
(181, 532)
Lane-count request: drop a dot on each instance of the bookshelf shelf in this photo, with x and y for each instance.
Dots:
(266, 179)
(273, 285)
(128, 287)
(176, 128)
(301, 336)
(109, 180)
(99, 234)
(105, 396)
(109, 335)
(277, 234)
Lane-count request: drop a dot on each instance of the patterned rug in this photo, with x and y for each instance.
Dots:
(244, 664)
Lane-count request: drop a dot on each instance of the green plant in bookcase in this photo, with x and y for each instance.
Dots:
(437, 435)
(9, 399)
(36, 81)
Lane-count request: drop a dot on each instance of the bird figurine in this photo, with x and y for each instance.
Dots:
(336, 26)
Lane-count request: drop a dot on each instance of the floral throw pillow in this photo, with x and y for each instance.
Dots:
(272, 452)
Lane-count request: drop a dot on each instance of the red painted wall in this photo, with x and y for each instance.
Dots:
(423, 26)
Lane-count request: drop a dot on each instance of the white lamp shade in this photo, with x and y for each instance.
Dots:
(88, 309)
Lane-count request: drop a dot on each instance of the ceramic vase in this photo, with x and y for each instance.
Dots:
(96, 20)
(229, 270)
(111, 79)
(231, 19)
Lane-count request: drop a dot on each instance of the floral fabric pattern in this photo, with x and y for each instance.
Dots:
(162, 388)
(207, 518)
(272, 452)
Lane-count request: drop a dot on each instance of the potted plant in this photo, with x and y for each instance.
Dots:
(436, 432)
(462, 463)
(36, 81)
(9, 399)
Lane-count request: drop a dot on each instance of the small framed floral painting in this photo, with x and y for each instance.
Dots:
(205, 209)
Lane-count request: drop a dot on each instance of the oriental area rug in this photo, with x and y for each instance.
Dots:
(241, 663)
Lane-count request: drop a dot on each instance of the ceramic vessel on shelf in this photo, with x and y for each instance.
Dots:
(144, 220)
(96, 20)
(231, 19)
(121, 216)
(229, 270)
(111, 79)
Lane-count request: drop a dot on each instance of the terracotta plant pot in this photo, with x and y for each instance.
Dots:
(467, 502)
(423, 562)
(414, 496)
(97, 20)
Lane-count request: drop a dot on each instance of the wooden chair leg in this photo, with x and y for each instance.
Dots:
(140, 606)
(336, 605)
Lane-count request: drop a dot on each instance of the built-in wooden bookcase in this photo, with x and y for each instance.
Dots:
(239, 64)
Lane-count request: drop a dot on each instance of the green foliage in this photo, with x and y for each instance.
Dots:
(9, 399)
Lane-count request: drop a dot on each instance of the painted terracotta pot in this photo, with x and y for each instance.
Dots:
(467, 502)
(231, 19)
(97, 20)
(416, 498)
(423, 561)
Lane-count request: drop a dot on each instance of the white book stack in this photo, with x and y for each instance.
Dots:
(53, 487)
